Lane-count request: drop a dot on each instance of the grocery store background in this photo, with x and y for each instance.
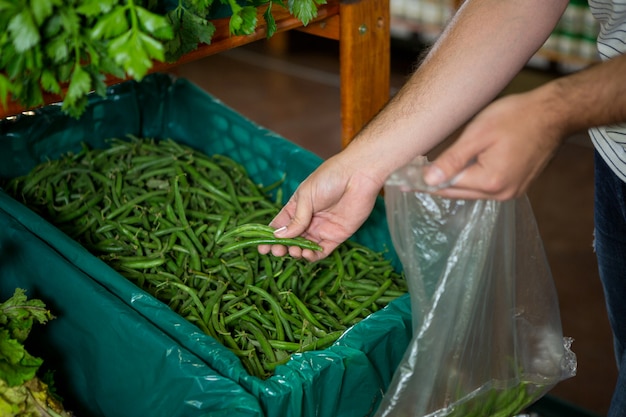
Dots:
(290, 84)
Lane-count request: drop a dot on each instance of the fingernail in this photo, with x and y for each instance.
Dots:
(280, 230)
(433, 175)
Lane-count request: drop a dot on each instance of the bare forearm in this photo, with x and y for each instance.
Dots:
(482, 49)
(589, 98)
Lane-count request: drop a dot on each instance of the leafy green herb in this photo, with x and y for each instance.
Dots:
(269, 20)
(17, 316)
(22, 392)
(190, 26)
(304, 10)
(69, 47)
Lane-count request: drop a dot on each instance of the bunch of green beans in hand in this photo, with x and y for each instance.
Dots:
(184, 227)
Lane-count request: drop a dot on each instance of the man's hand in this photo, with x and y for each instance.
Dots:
(327, 208)
(500, 152)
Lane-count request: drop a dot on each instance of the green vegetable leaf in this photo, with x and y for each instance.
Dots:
(304, 10)
(243, 21)
(57, 48)
(153, 48)
(95, 8)
(42, 9)
(24, 32)
(97, 79)
(189, 29)
(199, 28)
(44, 40)
(52, 27)
(249, 19)
(154, 24)
(235, 22)
(269, 21)
(15, 65)
(16, 364)
(128, 52)
(80, 85)
(17, 314)
(31, 91)
(49, 82)
(70, 21)
(6, 5)
(5, 90)
(108, 66)
(204, 32)
(111, 25)
(200, 5)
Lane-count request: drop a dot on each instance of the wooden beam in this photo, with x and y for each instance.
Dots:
(365, 62)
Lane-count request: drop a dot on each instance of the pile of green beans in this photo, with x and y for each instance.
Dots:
(184, 226)
(499, 402)
(486, 402)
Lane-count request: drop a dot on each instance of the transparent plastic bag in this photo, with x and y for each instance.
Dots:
(487, 337)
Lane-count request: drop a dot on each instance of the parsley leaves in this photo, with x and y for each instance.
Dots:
(49, 44)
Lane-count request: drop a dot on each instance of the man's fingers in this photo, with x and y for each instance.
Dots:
(447, 168)
(297, 224)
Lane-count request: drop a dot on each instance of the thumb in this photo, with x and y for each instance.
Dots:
(298, 223)
(448, 166)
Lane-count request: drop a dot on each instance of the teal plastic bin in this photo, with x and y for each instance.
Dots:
(107, 359)
(346, 379)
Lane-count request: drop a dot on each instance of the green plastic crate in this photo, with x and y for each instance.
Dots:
(107, 359)
(347, 379)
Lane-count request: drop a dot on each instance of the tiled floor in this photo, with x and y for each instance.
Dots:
(296, 94)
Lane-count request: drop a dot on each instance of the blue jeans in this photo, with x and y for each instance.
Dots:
(610, 246)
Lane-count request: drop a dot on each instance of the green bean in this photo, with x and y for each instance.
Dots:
(283, 345)
(180, 213)
(214, 300)
(261, 338)
(211, 217)
(195, 262)
(202, 325)
(262, 317)
(167, 172)
(70, 214)
(207, 185)
(320, 343)
(235, 315)
(284, 318)
(248, 230)
(140, 262)
(168, 231)
(130, 204)
(190, 292)
(286, 274)
(152, 162)
(257, 368)
(334, 308)
(253, 242)
(354, 313)
(299, 306)
(232, 299)
(221, 226)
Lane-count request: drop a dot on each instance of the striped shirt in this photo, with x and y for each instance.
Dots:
(610, 141)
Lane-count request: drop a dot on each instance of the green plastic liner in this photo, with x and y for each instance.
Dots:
(346, 379)
(107, 359)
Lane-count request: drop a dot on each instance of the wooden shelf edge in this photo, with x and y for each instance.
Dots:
(221, 41)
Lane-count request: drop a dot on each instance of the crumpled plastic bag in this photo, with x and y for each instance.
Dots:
(487, 337)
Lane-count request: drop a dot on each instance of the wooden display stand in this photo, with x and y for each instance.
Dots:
(360, 26)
